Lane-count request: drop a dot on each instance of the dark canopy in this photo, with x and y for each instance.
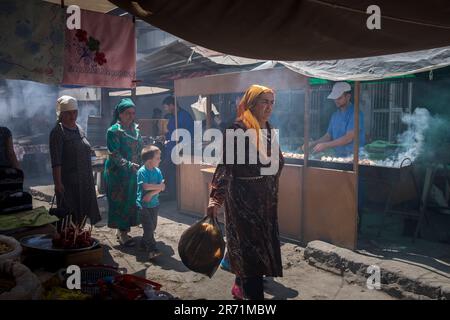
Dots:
(299, 29)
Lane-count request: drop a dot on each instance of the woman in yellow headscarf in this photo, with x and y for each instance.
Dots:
(250, 198)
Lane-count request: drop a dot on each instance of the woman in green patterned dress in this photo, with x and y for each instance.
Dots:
(124, 144)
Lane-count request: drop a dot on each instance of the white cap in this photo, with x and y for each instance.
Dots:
(338, 90)
(66, 103)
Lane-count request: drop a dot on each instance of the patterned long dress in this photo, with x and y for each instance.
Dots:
(70, 149)
(251, 215)
(124, 148)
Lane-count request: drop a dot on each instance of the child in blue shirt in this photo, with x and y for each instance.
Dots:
(150, 183)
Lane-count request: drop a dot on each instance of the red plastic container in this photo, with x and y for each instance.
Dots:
(128, 287)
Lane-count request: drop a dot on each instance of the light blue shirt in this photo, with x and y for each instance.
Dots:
(342, 122)
(152, 176)
(185, 121)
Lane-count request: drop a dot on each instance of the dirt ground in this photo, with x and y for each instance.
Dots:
(300, 281)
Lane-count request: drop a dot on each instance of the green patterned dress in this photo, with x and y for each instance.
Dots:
(124, 148)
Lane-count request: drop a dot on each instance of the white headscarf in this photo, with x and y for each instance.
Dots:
(66, 103)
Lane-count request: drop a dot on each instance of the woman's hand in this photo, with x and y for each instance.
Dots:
(59, 188)
(135, 167)
(212, 210)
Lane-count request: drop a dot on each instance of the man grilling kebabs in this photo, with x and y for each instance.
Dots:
(340, 132)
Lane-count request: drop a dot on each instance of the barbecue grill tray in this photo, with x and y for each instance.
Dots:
(365, 171)
(43, 242)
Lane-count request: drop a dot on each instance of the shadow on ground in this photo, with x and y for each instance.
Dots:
(393, 244)
(278, 291)
(166, 260)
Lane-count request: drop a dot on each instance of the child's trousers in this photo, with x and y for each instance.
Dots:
(149, 219)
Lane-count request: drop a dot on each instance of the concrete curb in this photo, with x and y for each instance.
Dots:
(43, 193)
(398, 279)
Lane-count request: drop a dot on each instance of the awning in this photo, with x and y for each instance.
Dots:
(299, 30)
(81, 93)
(92, 5)
(362, 69)
(140, 91)
(373, 68)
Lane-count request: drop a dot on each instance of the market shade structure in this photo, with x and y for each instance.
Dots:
(299, 29)
(358, 69)
(92, 5)
(140, 91)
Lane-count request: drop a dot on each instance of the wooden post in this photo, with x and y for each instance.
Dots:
(177, 168)
(356, 128)
(306, 122)
(105, 107)
(306, 156)
(208, 112)
(356, 152)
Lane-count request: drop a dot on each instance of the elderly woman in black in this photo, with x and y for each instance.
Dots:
(8, 157)
(250, 197)
(70, 154)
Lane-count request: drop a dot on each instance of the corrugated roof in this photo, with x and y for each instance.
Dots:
(174, 61)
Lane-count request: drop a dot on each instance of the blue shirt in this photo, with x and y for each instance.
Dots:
(185, 121)
(342, 122)
(152, 176)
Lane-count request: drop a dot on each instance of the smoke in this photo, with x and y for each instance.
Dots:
(426, 140)
(84, 111)
(412, 140)
(26, 107)
(436, 146)
(29, 108)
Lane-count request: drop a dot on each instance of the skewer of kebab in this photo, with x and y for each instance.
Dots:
(65, 227)
(83, 223)
(58, 239)
(75, 232)
(62, 228)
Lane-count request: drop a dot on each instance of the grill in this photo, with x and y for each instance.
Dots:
(371, 172)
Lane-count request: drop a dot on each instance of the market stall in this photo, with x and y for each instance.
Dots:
(303, 215)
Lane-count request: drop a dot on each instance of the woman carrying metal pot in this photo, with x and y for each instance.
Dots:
(250, 196)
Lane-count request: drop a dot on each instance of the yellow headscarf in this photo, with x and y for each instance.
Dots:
(247, 101)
